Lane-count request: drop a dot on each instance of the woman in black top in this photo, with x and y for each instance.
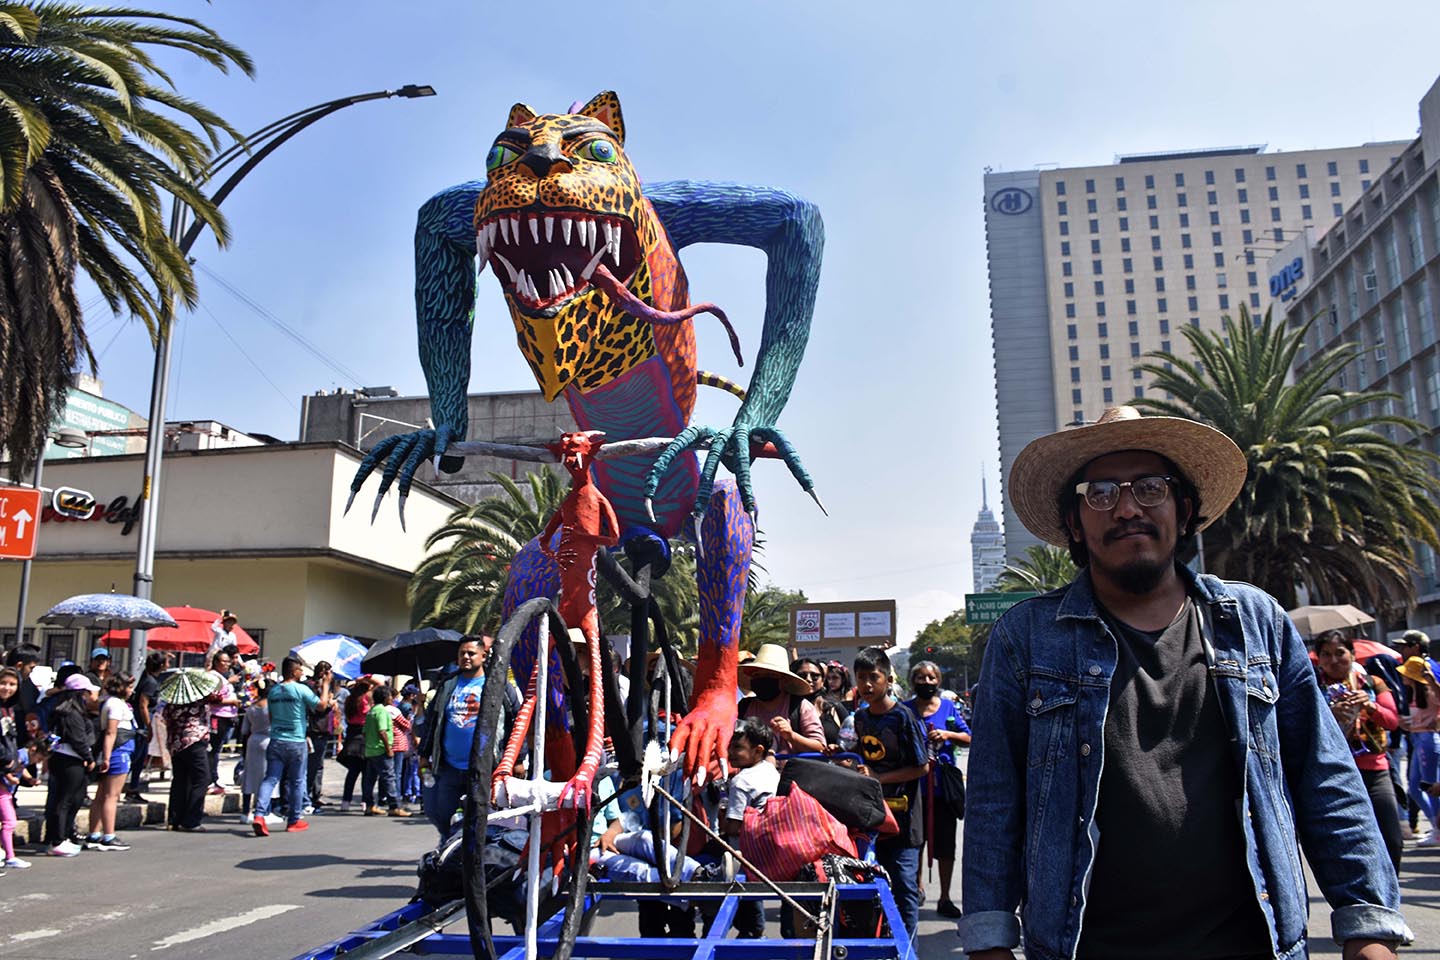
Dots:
(70, 760)
(832, 711)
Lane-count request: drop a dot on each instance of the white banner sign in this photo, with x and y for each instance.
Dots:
(839, 626)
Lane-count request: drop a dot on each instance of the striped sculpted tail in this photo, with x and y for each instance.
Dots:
(707, 379)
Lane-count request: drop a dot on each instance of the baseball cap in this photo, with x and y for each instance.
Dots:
(99, 652)
(78, 681)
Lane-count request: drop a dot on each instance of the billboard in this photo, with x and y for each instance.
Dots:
(837, 630)
(90, 413)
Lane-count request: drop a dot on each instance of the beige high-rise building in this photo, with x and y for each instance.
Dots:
(1091, 268)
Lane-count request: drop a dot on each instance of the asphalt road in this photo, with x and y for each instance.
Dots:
(228, 894)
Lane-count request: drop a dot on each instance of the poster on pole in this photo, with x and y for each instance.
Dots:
(843, 627)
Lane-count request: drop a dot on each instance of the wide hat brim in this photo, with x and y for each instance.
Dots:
(1208, 459)
(789, 682)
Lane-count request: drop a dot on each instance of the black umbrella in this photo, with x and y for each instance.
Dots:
(413, 652)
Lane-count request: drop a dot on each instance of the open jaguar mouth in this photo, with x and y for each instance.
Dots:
(546, 258)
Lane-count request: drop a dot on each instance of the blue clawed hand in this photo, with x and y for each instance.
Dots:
(731, 446)
(402, 455)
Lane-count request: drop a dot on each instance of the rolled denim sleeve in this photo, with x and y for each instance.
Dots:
(991, 875)
(1333, 814)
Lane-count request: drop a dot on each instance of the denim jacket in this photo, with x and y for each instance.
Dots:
(1039, 745)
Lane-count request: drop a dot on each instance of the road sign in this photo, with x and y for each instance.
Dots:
(72, 503)
(19, 521)
(987, 607)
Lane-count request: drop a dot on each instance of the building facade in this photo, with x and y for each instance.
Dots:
(363, 418)
(1091, 268)
(1373, 279)
(987, 546)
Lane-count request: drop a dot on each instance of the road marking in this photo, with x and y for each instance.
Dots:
(34, 935)
(224, 925)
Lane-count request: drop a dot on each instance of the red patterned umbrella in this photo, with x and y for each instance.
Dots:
(191, 634)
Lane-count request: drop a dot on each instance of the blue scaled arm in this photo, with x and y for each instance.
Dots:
(790, 232)
(445, 273)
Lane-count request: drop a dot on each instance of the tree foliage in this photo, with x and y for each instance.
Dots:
(93, 137)
(1332, 498)
(1044, 568)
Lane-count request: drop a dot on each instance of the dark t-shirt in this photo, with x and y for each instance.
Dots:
(889, 741)
(147, 686)
(1170, 877)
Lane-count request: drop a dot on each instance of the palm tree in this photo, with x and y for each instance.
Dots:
(1044, 568)
(92, 135)
(1332, 501)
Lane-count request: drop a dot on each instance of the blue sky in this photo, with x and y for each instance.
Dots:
(883, 114)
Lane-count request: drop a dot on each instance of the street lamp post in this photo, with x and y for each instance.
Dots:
(256, 147)
(71, 439)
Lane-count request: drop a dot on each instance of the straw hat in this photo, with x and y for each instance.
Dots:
(1208, 459)
(1418, 670)
(772, 660)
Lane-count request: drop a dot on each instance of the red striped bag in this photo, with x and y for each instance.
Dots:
(790, 832)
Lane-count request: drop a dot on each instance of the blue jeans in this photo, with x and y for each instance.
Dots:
(903, 865)
(1424, 762)
(443, 799)
(283, 759)
(381, 768)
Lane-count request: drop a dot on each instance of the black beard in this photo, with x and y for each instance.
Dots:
(1140, 577)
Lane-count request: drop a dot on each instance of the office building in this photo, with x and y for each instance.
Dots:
(1091, 268)
(1373, 279)
(987, 546)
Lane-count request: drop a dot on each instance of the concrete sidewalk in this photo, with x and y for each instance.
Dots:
(30, 804)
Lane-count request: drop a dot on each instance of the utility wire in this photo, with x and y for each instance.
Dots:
(258, 369)
(283, 327)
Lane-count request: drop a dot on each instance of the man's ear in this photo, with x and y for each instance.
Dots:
(1071, 520)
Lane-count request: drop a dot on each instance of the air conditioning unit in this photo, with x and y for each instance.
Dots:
(1370, 283)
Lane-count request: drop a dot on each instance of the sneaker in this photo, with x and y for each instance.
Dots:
(298, 826)
(399, 812)
(17, 864)
(1431, 839)
(92, 842)
(112, 843)
(344, 806)
(65, 848)
(274, 819)
(307, 810)
(262, 829)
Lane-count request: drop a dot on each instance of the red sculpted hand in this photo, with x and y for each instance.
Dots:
(703, 734)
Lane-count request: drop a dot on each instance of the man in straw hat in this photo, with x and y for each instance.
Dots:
(1123, 721)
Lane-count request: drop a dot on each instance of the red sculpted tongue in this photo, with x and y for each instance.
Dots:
(638, 308)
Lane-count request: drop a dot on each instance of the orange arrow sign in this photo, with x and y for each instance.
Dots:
(19, 515)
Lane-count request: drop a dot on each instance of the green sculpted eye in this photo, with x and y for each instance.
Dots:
(498, 156)
(601, 150)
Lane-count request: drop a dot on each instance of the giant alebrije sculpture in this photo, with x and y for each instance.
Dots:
(587, 261)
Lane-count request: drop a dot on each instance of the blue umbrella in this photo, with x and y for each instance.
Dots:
(342, 653)
(115, 610)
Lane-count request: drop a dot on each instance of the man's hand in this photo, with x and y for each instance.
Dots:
(781, 727)
(1365, 950)
(607, 839)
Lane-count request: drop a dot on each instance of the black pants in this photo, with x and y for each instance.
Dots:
(64, 798)
(223, 727)
(1387, 814)
(315, 767)
(137, 760)
(189, 778)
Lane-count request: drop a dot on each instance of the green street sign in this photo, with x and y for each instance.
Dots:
(987, 607)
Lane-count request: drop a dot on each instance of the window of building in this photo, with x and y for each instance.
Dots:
(1074, 374)
(1062, 208)
(1188, 261)
(1090, 206)
(1215, 238)
(1300, 171)
(1069, 289)
(1278, 234)
(1097, 267)
(1105, 372)
(1134, 329)
(1210, 177)
(1400, 326)
(1070, 311)
(1127, 265)
(1192, 304)
(1179, 179)
(1332, 169)
(1304, 191)
(1074, 356)
(1095, 247)
(1104, 351)
(1184, 221)
(1094, 226)
(1121, 203)
(1165, 327)
(1189, 281)
(1224, 301)
(1089, 186)
(1364, 165)
(1337, 210)
(1072, 331)
(1365, 185)
(1239, 174)
(1064, 228)
(1252, 279)
(1159, 284)
(1129, 285)
(1269, 173)
(1134, 349)
(1099, 288)
(1195, 322)
(1211, 198)
(1242, 195)
(1255, 302)
(1274, 214)
(1109, 395)
(1124, 224)
(1164, 346)
(1157, 263)
(1149, 181)
(1102, 330)
(1065, 269)
(1060, 188)
(1139, 391)
(1099, 308)
(1247, 236)
(1075, 396)
(1424, 312)
(1154, 222)
(1244, 215)
(1119, 183)
(1334, 189)
(1214, 218)
(1064, 248)
(1432, 388)
(1181, 200)
(1274, 193)
(1151, 203)
(1124, 244)
(1078, 416)
(1185, 241)
(1391, 250)
(1130, 309)
(1305, 213)
(1161, 306)
(1155, 243)
(1137, 374)
(1415, 244)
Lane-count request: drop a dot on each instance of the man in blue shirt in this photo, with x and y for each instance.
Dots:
(449, 728)
(290, 704)
(1149, 745)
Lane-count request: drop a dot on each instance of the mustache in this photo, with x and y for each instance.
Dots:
(1138, 526)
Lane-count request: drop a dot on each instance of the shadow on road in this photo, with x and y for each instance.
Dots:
(395, 892)
(309, 861)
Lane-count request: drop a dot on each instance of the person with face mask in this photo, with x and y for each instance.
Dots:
(779, 699)
(945, 732)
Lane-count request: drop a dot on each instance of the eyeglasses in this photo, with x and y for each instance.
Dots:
(1104, 494)
(811, 676)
